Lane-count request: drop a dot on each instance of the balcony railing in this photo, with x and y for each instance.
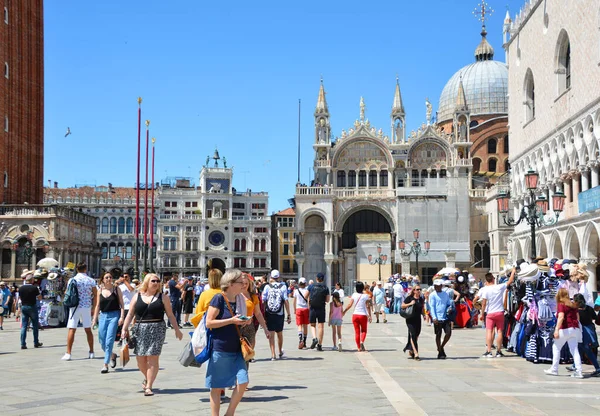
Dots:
(180, 217)
(322, 163)
(364, 193)
(464, 162)
(47, 211)
(477, 193)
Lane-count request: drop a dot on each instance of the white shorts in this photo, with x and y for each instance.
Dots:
(379, 307)
(83, 314)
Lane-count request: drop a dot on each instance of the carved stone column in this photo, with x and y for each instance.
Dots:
(13, 263)
(300, 263)
(592, 283)
(594, 174)
(585, 181)
(328, 272)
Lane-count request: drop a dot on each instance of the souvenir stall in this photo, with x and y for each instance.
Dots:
(52, 282)
(531, 306)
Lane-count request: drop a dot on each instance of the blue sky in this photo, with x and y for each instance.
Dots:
(229, 74)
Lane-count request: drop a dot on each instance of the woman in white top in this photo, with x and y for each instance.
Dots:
(301, 308)
(361, 315)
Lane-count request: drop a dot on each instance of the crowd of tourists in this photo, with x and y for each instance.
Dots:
(540, 310)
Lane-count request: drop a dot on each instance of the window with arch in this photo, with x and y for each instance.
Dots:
(236, 245)
(492, 165)
(129, 226)
(97, 225)
(476, 164)
(188, 244)
(492, 145)
(112, 250)
(505, 144)
(243, 244)
(373, 178)
(113, 225)
(128, 251)
(104, 251)
(194, 244)
(341, 179)
(383, 178)
(352, 178)
(362, 178)
(105, 225)
(121, 225)
(173, 244)
(563, 62)
(154, 226)
(256, 245)
(263, 245)
(529, 102)
(481, 254)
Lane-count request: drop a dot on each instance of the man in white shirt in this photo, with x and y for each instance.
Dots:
(399, 296)
(492, 305)
(127, 290)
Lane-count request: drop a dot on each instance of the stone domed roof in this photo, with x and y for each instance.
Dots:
(485, 83)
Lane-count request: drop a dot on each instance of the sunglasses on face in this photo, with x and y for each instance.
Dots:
(154, 281)
(417, 290)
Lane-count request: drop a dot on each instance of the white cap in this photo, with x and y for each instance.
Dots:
(302, 280)
(437, 282)
(275, 274)
(447, 283)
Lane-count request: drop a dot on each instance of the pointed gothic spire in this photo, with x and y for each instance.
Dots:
(322, 101)
(397, 107)
(461, 97)
(507, 19)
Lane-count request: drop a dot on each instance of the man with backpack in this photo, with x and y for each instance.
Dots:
(318, 298)
(80, 297)
(275, 298)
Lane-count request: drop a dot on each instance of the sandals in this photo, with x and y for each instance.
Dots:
(144, 384)
(417, 358)
(148, 392)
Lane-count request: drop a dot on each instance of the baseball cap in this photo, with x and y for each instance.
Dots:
(320, 276)
(275, 274)
(437, 282)
(379, 283)
(447, 283)
(302, 280)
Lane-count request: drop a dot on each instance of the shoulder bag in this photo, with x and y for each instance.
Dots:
(247, 350)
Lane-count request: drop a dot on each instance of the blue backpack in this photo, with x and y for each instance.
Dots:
(71, 299)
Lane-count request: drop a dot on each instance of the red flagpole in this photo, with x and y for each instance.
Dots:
(146, 199)
(137, 186)
(152, 214)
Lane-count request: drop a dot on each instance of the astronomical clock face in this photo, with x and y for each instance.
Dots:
(428, 155)
(216, 238)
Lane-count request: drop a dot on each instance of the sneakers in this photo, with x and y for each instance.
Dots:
(577, 374)
(301, 345)
(550, 372)
(66, 357)
(362, 347)
(319, 347)
(91, 356)
(499, 354)
(282, 355)
(314, 343)
(488, 354)
(38, 345)
(442, 355)
(571, 368)
(23, 347)
(104, 370)
(113, 360)
(595, 373)
(385, 321)
(273, 359)
(339, 346)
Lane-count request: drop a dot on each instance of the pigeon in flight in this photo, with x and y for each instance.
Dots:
(68, 131)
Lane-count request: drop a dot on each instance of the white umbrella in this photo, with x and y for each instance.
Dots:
(47, 263)
(447, 270)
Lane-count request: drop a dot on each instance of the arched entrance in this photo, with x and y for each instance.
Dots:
(573, 246)
(314, 246)
(366, 221)
(541, 247)
(363, 221)
(216, 263)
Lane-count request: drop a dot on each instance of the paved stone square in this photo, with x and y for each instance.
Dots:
(379, 382)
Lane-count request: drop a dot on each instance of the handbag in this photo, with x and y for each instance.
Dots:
(186, 356)
(132, 340)
(125, 354)
(247, 350)
(407, 312)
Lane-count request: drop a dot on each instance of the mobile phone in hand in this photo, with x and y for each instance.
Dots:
(243, 318)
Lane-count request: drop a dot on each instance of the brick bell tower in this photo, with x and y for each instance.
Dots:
(21, 101)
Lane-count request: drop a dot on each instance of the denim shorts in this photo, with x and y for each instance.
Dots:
(336, 322)
(226, 369)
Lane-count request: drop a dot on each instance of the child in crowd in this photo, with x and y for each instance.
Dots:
(336, 320)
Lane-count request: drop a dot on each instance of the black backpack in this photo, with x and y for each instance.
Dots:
(318, 295)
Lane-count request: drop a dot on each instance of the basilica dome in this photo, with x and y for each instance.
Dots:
(485, 83)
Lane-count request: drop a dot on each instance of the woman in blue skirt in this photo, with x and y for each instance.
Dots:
(226, 366)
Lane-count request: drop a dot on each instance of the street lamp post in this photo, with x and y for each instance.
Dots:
(534, 209)
(415, 248)
(379, 260)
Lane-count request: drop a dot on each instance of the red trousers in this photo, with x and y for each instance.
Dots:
(360, 323)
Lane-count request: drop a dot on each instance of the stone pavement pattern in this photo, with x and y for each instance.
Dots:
(380, 382)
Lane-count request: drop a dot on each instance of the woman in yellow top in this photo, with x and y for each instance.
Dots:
(214, 281)
(253, 310)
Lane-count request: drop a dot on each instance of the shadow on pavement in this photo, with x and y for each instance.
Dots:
(291, 359)
(181, 391)
(259, 388)
(263, 399)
